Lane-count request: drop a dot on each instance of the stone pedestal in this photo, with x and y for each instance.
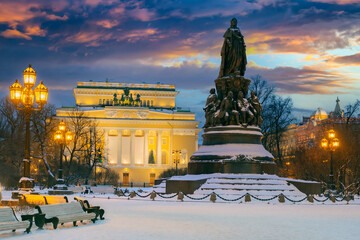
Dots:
(223, 144)
(60, 188)
(234, 83)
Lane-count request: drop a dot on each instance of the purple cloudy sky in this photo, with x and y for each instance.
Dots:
(309, 49)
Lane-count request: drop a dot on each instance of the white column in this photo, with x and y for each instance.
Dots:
(196, 141)
(171, 148)
(106, 145)
(158, 147)
(119, 146)
(146, 150)
(132, 149)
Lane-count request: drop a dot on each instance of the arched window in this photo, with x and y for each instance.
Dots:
(148, 103)
(152, 157)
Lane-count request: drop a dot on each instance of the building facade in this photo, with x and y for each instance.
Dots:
(310, 131)
(141, 126)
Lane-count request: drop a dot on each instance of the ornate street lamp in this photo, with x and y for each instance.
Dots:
(331, 145)
(62, 137)
(23, 98)
(176, 158)
(98, 159)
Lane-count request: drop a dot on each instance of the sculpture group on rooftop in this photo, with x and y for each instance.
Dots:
(127, 99)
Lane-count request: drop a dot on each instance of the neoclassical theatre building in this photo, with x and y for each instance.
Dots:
(142, 127)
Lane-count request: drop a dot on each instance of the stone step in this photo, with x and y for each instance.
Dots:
(249, 188)
(246, 183)
(265, 194)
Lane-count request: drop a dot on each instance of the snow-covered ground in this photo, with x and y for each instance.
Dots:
(163, 219)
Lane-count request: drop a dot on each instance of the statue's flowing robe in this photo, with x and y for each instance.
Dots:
(233, 55)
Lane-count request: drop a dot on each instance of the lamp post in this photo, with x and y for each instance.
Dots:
(97, 159)
(176, 158)
(62, 137)
(23, 99)
(331, 144)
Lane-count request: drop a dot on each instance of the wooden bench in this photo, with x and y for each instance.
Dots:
(55, 199)
(33, 200)
(89, 208)
(63, 213)
(9, 221)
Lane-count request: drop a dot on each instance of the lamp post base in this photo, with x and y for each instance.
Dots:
(26, 186)
(60, 188)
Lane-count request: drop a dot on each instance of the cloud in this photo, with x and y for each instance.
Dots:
(353, 59)
(340, 2)
(306, 80)
(90, 39)
(107, 23)
(13, 33)
(142, 14)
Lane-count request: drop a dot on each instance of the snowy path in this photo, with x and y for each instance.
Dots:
(149, 220)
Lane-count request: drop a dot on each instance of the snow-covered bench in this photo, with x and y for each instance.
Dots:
(55, 199)
(104, 189)
(63, 213)
(8, 221)
(77, 189)
(89, 208)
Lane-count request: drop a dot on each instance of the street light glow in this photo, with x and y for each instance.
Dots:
(29, 77)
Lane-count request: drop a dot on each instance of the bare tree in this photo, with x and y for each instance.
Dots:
(12, 141)
(265, 93)
(351, 110)
(279, 117)
(82, 152)
(43, 128)
(262, 89)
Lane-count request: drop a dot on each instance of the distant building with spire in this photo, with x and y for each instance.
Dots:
(337, 113)
(310, 131)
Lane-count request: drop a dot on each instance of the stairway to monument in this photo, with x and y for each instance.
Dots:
(254, 184)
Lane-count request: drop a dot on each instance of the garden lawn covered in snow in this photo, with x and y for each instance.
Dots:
(161, 219)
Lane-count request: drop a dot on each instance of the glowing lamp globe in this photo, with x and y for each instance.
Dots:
(41, 94)
(16, 92)
(28, 97)
(62, 126)
(58, 137)
(324, 143)
(335, 143)
(331, 134)
(29, 77)
(68, 136)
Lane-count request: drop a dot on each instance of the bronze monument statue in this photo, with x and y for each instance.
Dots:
(230, 105)
(233, 118)
(233, 52)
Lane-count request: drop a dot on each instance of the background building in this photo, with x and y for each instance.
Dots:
(311, 130)
(141, 127)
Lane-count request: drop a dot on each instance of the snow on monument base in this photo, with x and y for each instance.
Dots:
(222, 147)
